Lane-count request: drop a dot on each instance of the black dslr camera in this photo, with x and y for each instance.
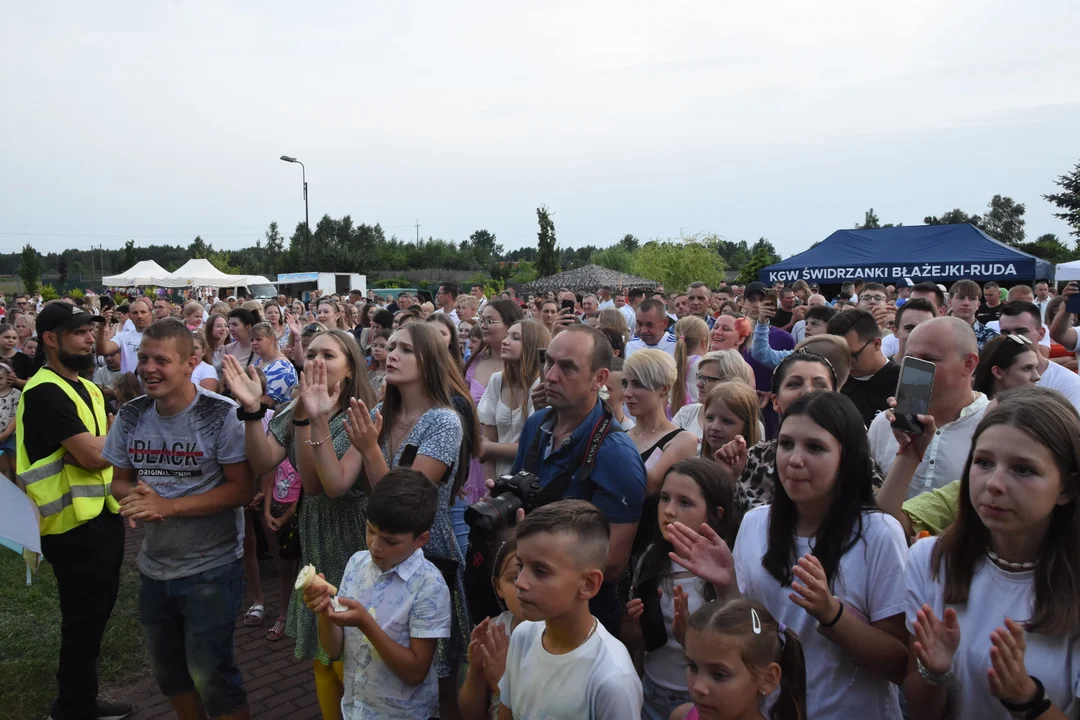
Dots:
(511, 493)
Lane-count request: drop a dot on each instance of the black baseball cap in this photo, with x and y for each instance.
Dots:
(60, 315)
(754, 288)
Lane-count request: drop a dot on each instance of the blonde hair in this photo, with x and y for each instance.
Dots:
(690, 333)
(652, 369)
(254, 306)
(612, 319)
(835, 350)
(519, 376)
(730, 366)
(191, 308)
(741, 400)
(221, 308)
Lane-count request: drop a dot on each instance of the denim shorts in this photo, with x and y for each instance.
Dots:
(189, 635)
(660, 702)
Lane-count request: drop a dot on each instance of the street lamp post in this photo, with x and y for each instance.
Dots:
(307, 221)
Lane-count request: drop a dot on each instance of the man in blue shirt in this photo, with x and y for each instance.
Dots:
(557, 440)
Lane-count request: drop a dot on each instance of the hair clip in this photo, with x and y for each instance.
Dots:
(755, 621)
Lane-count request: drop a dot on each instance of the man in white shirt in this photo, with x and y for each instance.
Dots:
(126, 341)
(1023, 318)
(1042, 296)
(447, 299)
(950, 344)
(477, 292)
(606, 301)
(634, 298)
(652, 334)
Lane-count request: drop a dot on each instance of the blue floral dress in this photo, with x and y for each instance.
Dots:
(438, 435)
(281, 379)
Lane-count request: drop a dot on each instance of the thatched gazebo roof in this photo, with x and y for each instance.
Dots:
(586, 279)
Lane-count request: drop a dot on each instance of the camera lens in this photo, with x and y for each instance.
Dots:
(493, 514)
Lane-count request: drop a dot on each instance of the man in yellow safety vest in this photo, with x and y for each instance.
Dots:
(61, 427)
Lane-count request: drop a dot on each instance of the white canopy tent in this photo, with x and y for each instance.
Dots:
(1065, 272)
(198, 272)
(144, 272)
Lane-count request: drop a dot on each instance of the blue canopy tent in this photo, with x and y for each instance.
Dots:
(942, 253)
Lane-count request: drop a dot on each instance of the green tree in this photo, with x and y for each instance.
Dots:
(629, 243)
(760, 259)
(130, 258)
(274, 248)
(1068, 200)
(547, 259)
(525, 272)
(616, 257)
(956, 216)
(870, 221)
(677, 263)
(1004, 220)
(62, 271)
(1048, 247)
(30, 270)
(198, 249)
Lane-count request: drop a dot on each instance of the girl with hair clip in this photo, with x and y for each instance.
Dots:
(330, 314)
(1006, 362)
(823, 560)
(478, 698)
(740, 660)
(695, 491)
(994, 603)
(691, 343)
(332, 519)
(416, 425)
(731, 410)
(507, 401)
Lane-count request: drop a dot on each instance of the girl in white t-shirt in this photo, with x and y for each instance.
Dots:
(823, 561)
(694, 492)
(478, 697)
(737, 655)
(1004, 578)
(204, 375)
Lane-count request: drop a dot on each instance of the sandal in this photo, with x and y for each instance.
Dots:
(277, 631)
(254, 616)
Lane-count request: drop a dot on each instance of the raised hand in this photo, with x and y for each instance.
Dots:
(363, 432)
(493, 651)
(682, 615)
(936, 640)
(812, 592)
(1009, 680)
(732, 456)
(706, 554)
(912, 443)
(246, 387)
(319, 402)
(635, 608)
(293, 323)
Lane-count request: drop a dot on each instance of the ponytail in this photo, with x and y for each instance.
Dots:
(791, 701)
(690, 332)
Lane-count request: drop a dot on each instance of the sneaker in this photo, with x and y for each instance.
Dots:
(105, 711)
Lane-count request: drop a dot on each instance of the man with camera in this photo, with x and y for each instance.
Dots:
(576, 449)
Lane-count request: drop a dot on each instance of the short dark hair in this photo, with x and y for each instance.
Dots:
(450, 288)
(867, 287)
(914, 304)
(123, 309)
(635, 293)
(248, 317)
(601, 350)
(579, 519)
(1042, 280)
(929, 287)
(991, 284)
(1019, 307)
(172, 329)
(966, 288)
(384, 318)
(786, 290)
(652, 304)
(824, 313)
(859, 322)
(404, 501)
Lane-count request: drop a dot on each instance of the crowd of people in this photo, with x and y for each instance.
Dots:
(620, 504)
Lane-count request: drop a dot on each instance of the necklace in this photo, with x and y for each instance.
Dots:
(596, 623)
(1009, 565)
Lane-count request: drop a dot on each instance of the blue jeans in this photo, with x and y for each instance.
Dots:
(461, 528)
(189, 635)
(660, 702)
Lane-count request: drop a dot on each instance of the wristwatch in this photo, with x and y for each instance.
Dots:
(934, 678)
(1033, 708)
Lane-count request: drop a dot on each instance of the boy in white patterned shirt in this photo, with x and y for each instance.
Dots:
(397, 606)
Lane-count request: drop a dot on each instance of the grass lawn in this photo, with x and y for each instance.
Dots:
(30, 639)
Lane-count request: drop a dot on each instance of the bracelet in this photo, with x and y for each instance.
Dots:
(313, 443)
(244, 416)
(300, 423)
(839, 614)
(934, 678)
(1033, 708)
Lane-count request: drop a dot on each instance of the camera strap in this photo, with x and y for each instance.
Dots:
(556, 489)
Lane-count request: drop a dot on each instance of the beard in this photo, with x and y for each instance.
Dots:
(78, 363)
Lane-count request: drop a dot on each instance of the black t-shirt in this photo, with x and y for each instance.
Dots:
(870, 395)
(986, 314)
(22, 364)
(49, 417)
(782, 318)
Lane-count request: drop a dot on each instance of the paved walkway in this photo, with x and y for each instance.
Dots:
(278, 685)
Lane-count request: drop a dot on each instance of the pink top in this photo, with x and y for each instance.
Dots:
(691, 714)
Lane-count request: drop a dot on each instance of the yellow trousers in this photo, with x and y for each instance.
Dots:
(329, 688)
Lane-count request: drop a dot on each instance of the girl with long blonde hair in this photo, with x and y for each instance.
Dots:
(691, 342)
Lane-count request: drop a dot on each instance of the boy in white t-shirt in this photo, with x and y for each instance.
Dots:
(562, 663)
(396, 607)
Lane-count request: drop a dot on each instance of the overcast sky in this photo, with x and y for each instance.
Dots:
(162, 120)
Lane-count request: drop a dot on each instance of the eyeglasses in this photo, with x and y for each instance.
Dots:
(706, 379)
(855, 355)
(873, 298)
(488, 322)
